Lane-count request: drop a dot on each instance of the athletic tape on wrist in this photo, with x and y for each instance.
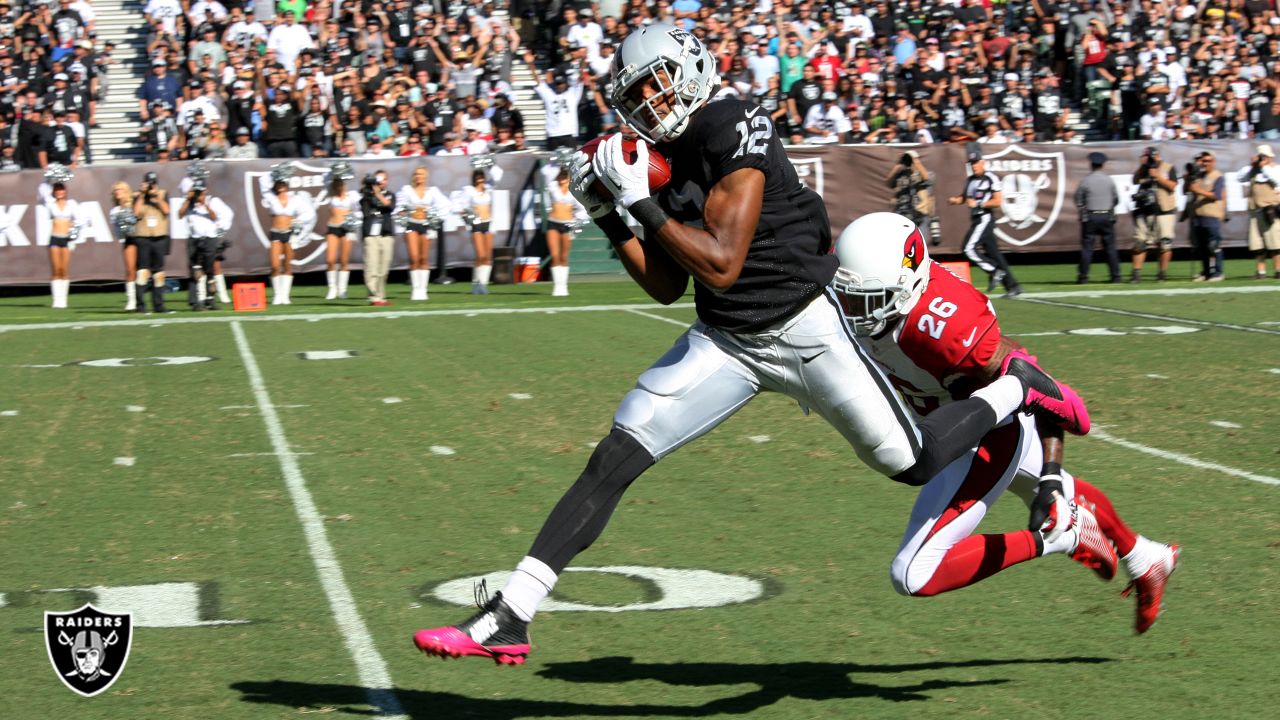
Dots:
(615, 228)
(649, 213)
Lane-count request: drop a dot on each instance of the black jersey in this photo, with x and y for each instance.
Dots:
(789, 261)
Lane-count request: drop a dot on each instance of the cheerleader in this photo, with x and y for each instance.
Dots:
(288, 210)
(478, 202)
(564, 218)
(344, 218)
(208, 220)
(123, 221)
(419, 203)
(65, 224)
(198, 173)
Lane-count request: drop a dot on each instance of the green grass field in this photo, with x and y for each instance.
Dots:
(431, 453)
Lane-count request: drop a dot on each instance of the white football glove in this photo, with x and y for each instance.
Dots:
(629, 183)
(581, 178)
(1051, 512)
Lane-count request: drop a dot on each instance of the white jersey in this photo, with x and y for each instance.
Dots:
(209, 218)
(562, 108)
(70, 209)
(564, 197)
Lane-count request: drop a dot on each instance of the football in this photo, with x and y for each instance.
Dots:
(659, 168)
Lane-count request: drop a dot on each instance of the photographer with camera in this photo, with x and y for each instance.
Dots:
(1206, 208)
(1096, 197)
(208, 219)
(151, 208)
(1262, 180)
(913, 193)
(376, 204)
(1154, 207)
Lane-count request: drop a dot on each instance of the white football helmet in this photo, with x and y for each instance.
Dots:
(683, 75)
(884, 268)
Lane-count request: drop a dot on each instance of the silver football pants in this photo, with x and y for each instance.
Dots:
(709, 374)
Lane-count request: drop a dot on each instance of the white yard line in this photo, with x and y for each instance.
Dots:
(371, 667)
(1153, 316)
(650, 315)
(198, 318)
(1100, 434)
(1067, 294)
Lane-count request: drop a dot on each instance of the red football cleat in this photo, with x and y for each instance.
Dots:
(1150, 586)
(1093, 549)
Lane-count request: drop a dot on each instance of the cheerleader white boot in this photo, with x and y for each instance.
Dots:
(344, 279)
(275, 290)
(332, 277)
(559, 281)
(286, 285)
(221, 282)
(130, 296)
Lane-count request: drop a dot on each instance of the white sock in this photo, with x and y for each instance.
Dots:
(220, 281)
(286, 284)
(54, 287)
(1004, 395)
(1065, 543)
(1139, 558)
(528, 587)
(344, 279)
(202, 289)
(332, 277)
(130, 294)
(482, 273)
(275, 289)
(560, 275)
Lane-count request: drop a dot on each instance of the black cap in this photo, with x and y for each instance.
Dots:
(973, 156)
(151, 177)
(1097, 159)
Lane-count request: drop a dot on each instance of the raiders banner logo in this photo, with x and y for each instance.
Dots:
(88, 647)
(1034, 186)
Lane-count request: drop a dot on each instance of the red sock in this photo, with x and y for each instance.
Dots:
(1112, 526)
(978, 557)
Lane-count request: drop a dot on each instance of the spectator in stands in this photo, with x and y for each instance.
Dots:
(560, 95)
(160, 87)
(244, 148)
(279, 124)
(160, 133)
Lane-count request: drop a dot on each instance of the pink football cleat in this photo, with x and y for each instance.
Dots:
(1046, 394)
(493, 632)
(1150, 586)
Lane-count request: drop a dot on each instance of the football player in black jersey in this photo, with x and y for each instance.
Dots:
(757, 244)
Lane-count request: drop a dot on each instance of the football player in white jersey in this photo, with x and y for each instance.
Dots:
(937, 339)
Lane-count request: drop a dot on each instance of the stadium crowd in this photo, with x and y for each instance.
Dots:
(404, 77)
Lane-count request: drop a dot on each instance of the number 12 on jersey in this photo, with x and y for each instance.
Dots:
(754, 138)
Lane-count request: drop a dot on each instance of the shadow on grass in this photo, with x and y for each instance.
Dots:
(775, 682)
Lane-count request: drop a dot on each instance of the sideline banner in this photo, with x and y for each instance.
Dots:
(1038, 215)
(1039, 212)
(24, 221)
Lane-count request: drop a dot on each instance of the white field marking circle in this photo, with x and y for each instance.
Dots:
(1150, 316)
(1225, 424)
(327, 354)
(371, 668)
(443, 450)
(146, 361)
(1115, 332)
(680, 589)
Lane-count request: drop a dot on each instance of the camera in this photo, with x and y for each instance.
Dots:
(370, 181)
(1193, 171)
(905, 160)
(1151, 157)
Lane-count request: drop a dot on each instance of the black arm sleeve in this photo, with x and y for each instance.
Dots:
(946, 434)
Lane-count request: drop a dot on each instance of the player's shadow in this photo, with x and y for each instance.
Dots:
(774, 682)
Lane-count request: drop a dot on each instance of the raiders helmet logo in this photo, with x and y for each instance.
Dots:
(689, 42)
(307, 240)
(1034, 187)
(913, 252)
(88, 647)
